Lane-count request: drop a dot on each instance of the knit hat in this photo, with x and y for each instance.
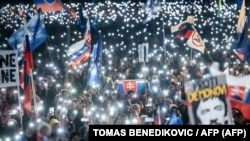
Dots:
(53, 121)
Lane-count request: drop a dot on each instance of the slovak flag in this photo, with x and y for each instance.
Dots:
(80, 51)
(240, 99)
(240, 93)
(49, 5)
(28, 66)
(138, 86)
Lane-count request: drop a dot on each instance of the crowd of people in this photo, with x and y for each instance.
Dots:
(64, 106)
(59, 113)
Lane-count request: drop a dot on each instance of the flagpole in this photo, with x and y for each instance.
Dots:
(33, 91)
(19, 96)
(18, 91)
(191, 54)
(163, 28)
(145, 78)
(20, 106)
(68, 43)
(209, 55)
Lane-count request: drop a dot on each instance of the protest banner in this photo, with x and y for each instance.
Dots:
(208, 101)
(8, 68)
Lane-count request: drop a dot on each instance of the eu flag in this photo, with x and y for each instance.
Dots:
(36, 31)
(82, 21)
(244, 42)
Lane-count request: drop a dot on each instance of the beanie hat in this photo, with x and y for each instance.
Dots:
(53, 121)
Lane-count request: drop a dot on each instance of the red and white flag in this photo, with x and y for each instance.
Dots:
(195, 41)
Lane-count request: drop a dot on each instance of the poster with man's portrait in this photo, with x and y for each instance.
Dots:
(208, 101)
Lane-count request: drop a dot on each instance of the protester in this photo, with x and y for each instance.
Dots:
(74, 136)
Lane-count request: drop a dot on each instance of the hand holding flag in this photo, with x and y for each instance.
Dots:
(186, 30)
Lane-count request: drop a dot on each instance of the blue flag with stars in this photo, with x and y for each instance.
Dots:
(243, 46)
(94, 72)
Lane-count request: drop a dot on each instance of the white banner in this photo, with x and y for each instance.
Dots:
(143, 52)
(8, 68)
